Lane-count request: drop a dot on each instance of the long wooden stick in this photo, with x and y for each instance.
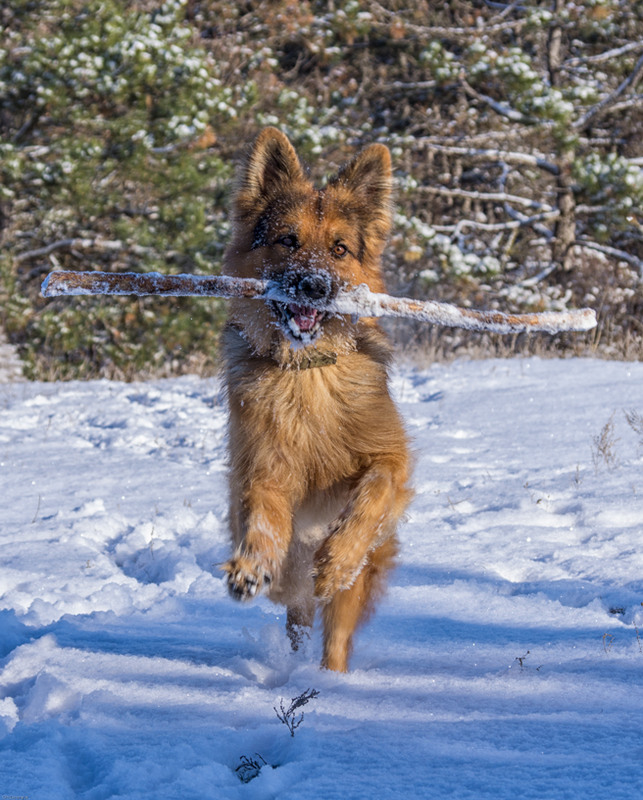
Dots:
(358, 302)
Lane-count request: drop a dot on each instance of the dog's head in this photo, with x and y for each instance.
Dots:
(307, 242)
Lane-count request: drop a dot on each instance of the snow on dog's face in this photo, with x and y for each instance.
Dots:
(307, 242)
(301, 319)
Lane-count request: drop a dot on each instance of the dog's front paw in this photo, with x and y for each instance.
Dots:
(247, 576)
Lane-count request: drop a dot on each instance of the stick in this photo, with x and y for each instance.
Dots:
(122, 283)
(357, 302)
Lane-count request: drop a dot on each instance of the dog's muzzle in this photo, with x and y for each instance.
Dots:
(302, 296)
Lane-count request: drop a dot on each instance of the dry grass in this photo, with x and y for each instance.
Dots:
(604, 447)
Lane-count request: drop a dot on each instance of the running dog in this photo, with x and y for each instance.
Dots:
(319, 461)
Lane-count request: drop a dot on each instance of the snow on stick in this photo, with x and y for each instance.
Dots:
(358, 302)
(122, 283)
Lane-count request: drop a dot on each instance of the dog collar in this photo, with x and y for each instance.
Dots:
(313, 361)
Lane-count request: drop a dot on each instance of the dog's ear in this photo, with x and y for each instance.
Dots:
(368, 181)
(270, 166)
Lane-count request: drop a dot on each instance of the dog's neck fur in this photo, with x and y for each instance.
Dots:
(368, 340)
(286, 357)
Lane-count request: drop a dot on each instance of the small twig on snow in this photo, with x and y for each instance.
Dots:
(287, 715)
(249, 768)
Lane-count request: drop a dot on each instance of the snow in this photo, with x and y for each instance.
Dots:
(505, 661)
(10, 364)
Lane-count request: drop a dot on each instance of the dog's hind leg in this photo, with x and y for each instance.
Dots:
(371, 514)
(350, 607)
(299, 621)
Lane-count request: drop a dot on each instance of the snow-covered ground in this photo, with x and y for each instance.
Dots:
(505, 662)
(10, 366)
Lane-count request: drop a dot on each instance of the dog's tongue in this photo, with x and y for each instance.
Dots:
(304, 316)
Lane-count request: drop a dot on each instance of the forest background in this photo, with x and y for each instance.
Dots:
(515, 130)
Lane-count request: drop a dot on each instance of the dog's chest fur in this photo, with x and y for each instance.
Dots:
(321, 417)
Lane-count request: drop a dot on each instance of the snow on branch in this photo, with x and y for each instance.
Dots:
(443, 32)
(489, 154)
(78, 243)
(611, 251)
(608, 55)
(534, 221)
(405, 86)
(519, 222)
(499, 108)
(500, 197)
(356, 302)
(603, 106)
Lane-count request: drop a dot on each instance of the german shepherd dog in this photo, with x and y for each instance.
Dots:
(319, 463)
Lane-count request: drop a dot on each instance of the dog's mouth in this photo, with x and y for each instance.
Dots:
(303, 323)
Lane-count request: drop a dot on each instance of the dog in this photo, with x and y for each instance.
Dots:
(319, 458)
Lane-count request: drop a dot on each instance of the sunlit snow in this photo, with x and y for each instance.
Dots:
(506, 660)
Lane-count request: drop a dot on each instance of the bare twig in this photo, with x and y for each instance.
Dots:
(631, 102)
(535, 220)
(610, 251)
(439, 32)
(489, 154)
(500, 197)
(536, 279)
(520, 222)
(499, 108)
(555, 44)
(506, 8)
(404, 86)
(288, 715)
(601, 108)
(604, 209)
(107, 245)
(608, 55)
(249, 768)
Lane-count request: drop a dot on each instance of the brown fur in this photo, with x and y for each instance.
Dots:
(319, 462)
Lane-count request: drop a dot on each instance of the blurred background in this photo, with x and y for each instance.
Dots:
(515, 129)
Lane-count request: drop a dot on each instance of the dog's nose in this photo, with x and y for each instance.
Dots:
(306, 287)
(315, 287)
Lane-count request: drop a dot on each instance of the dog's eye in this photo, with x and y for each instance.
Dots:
(340, 250)
(289, 240)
